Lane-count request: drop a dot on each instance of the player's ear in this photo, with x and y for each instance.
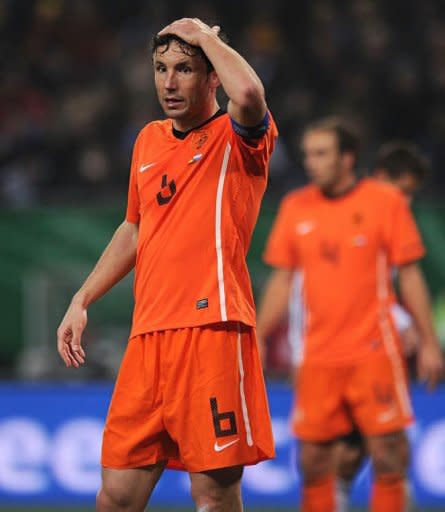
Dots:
(380, 174)
(214, 80)
(349, 159)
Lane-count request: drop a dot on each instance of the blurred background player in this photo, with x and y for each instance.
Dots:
(192, 333)
(401, 164)
(344, 235)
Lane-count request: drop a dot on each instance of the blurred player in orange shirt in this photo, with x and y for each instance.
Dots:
(190, 392)
(402, 165)
(344, 235)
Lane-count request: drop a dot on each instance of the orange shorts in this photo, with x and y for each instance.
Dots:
(193, 398)
(371, 395)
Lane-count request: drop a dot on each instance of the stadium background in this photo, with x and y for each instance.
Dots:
(76, 86)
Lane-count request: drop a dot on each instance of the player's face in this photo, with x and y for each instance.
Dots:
(185, 88)
(322, 159)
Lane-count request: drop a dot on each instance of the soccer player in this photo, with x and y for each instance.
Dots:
(190, 392)
(401, 164)
(343, 235)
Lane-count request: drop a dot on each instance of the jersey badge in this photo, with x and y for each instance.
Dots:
(196, 158)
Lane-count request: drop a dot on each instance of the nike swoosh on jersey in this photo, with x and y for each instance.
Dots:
(220, 448)
(303, 228)
(143, 168)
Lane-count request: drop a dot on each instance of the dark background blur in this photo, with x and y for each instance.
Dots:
(76, 87)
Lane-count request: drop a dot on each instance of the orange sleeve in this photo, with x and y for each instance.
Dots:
(256, 153)
(132, 214)
(281, 250)
(404, 242)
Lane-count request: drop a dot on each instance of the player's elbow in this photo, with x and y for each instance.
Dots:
(251, 96)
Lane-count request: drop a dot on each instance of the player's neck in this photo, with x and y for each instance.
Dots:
(185, 125)
(342, 187)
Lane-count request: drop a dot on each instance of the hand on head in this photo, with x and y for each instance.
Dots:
(190, 30)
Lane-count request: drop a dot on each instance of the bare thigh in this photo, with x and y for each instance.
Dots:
(316, 460)
(127, 490)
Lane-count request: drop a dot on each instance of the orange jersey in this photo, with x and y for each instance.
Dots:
(196, 199)
(344, 248)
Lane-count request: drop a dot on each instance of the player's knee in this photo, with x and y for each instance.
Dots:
(405, 452)
(390, 453)
(315, 462)
(215, 489)
(113, 499)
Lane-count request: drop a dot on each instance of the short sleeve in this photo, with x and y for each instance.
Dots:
(281, 250)
(255, 153)
(403, 239)
(133, 204)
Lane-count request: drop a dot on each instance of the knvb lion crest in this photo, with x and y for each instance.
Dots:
(200, 138)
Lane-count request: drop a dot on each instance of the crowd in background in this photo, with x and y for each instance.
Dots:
(77, 84)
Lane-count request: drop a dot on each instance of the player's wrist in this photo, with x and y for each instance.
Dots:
(80, 299)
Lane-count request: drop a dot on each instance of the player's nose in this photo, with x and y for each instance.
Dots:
(170, 81)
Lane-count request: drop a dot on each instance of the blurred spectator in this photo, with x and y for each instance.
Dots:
(76, 85)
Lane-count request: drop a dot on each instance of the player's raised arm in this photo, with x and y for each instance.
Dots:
(116, 261)
(247, 104)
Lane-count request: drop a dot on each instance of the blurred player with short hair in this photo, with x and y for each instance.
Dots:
(190, 392)
(343, 235)
(403, 165)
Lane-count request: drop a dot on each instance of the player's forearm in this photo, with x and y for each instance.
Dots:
(274, 302)
(415, 297)
(116, 261)
(238, 79)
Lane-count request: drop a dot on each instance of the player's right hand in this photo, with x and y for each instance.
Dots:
(69, 335)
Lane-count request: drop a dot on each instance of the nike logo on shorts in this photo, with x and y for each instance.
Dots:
(383, 417)
(220, 447)
(143, 168)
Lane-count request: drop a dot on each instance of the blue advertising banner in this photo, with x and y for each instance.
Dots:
(50, 439)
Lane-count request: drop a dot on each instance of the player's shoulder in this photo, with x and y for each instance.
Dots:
(159, 126)
(299, 197)
(307, 193)
(379, 191)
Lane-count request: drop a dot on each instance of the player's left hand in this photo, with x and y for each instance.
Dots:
(430, 364)
(190, 30)
(410, 340)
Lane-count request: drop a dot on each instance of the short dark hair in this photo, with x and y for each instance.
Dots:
(347, 136)
(400, 157)
(188, 49)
